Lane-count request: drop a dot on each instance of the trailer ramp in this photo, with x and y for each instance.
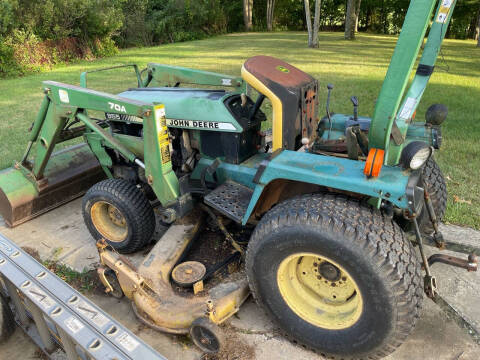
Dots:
(60, 320)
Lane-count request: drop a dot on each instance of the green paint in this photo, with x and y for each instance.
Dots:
(403, 59)
(95, 141)
(189, 104)
(282, 69)
(417, 88)
(158, 168)
(168, 75)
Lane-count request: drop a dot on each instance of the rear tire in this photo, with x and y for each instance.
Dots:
(437, 189)
(365, 254)
(117, 211)
(7, 322)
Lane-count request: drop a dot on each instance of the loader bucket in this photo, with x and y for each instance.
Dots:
(69, 174)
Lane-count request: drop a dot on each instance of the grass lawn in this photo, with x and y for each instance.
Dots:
(356, 68)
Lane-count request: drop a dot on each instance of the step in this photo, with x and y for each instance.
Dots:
(231, 199)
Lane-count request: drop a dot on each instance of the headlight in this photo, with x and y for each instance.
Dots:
(415, 155)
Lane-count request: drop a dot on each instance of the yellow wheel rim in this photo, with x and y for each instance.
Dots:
(319, 291)
(109, 221)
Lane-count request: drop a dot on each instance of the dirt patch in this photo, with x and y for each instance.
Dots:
(39, 354)
(86, 282)
(233, 348)
(32, 252)
(211, 248)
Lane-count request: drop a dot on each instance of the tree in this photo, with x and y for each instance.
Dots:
(313, 32)
(270, 12)
(351, 18)
(247, 14)
(357, 14)
(477, 35)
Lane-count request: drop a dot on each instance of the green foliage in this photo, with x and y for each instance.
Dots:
(103, 47)
(182, 20)
(150, 22)
(8, 65)
(38, 34)
(7, 16)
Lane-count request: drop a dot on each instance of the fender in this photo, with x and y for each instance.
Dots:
(343, 174)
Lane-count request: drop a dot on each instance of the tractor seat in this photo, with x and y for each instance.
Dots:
(276, 74)
(293, 96)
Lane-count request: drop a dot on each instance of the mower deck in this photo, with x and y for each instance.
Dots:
(150, 287)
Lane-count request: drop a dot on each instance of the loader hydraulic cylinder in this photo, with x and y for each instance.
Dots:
(127, 154)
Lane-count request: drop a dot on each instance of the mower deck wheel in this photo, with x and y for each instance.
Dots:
(206, 335)
(117, 211)
(335, 276)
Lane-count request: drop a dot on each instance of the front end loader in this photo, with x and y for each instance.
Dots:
(314, 219)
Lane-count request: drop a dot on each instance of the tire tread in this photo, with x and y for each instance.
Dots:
(139, 209)
(380, 237)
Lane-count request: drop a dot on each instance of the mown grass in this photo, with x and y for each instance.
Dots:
(356, 68)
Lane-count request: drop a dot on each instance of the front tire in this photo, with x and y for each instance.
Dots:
(335, 276)
(117, 211)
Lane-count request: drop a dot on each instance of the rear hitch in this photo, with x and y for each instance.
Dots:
(471, 264)
(430, 283)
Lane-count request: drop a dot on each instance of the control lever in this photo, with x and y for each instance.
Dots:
(329, 88)
(354, 101)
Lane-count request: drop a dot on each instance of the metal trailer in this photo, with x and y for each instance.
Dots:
(61, 321)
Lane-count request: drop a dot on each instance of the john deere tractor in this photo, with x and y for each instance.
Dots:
(328, 202)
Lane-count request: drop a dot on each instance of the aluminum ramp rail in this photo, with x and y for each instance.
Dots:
(62, 322)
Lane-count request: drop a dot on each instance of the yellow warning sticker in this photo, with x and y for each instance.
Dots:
(163, 122)
(444, 11)
(165, 151)
(163, 135)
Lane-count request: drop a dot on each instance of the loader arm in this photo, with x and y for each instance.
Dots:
(387, 115)
(40, 181)
(65, 101)
(168, 75)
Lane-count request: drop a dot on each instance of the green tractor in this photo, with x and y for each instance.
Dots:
(329, 201)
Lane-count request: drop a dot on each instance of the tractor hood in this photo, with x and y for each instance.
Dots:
(191, 105)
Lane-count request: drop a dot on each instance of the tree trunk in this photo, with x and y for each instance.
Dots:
(350, 20)
(477, 34)
(313, 31)
(247, 14)
(316, 23)
(270, 12)
(309, 22)
(357, 14)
